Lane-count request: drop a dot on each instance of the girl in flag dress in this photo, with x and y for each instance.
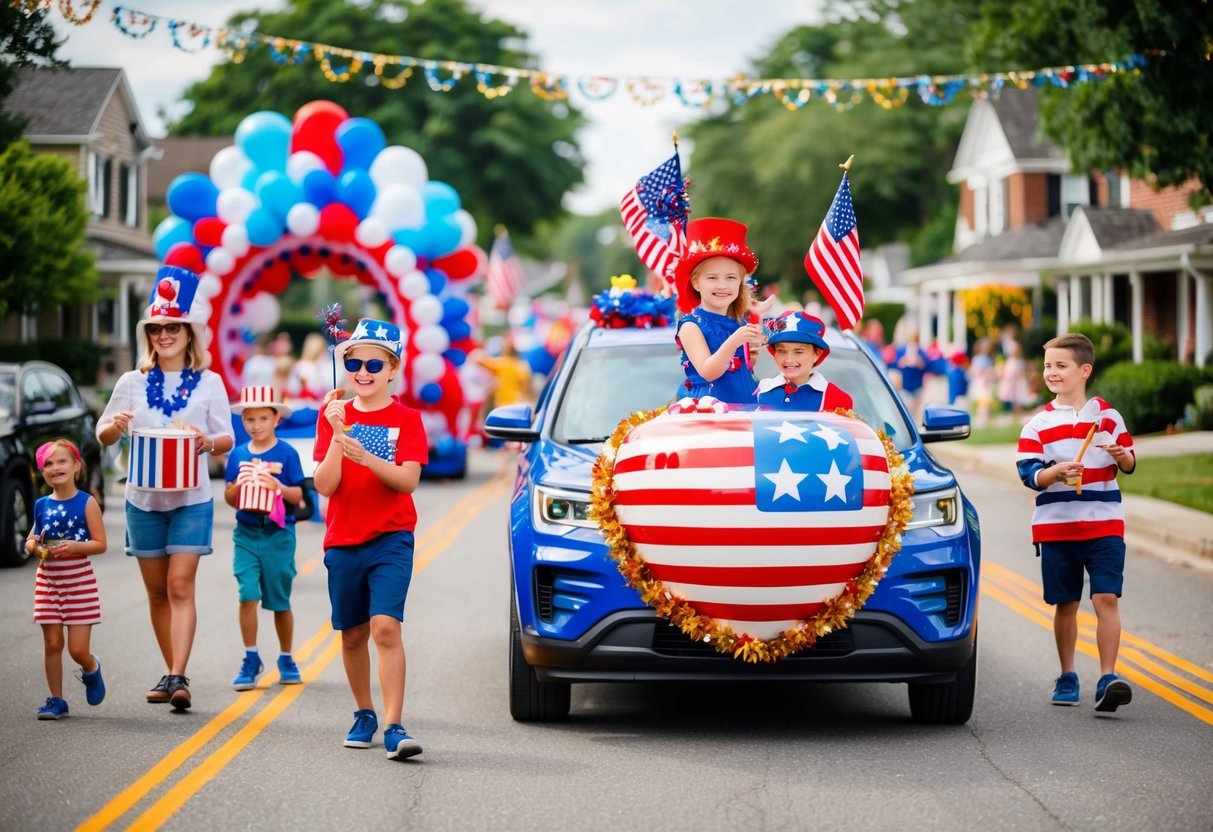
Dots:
(67, 530)
(714, 332)
(167, 532)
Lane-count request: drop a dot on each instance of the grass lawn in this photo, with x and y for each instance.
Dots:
(1004, 435)
(1187, 480)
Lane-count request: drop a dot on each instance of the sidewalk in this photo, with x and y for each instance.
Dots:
(1164, 529)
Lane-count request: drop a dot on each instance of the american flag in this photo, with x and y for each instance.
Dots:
(833, 259)
(378, 440)
(655, 215)
(754, 518)
(503, 277)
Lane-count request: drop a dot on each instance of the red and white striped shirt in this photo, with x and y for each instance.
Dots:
(1056, 434)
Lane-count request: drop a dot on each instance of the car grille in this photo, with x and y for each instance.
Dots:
(670, 641)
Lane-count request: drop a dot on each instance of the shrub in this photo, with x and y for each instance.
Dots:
(887, 313)
(1151, 395)
(1203, 407)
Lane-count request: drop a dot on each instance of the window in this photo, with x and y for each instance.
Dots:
(997, 205)
(128, 194)
(58, 389)
(1054, 194)
(99, 184)
(1075, 191)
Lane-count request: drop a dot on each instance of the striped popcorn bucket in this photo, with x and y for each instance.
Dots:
(162, 459)
(254, 497)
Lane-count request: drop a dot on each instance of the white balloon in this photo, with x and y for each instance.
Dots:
(434, 424)
(371, 232)
(261, 312)
(220, 261)
(235, 204)
(235, 239)
(428, 367)
(415, 285)
(426, 310)
(200, 309)
(228, 167)
(303, 219)
(399, 260)
(468, 225)
(432, 338)
(302, 162)
(209, 285)
(399, 164)
(399, 206)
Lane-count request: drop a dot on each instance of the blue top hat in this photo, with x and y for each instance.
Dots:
(372, 333)
(798, 327)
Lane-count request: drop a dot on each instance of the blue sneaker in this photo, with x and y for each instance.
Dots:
(398, 743)
(53, 709)
(363, 730)
(1112, 692)
(250, 669)
(1065, 689)
(94, 685)
(288, 671)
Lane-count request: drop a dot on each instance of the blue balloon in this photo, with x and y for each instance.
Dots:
(356, 189)
(458, 330)
(442, 237)
(320, 187)
(445, 446)
(430, 393)
(454, 309)
(169, 232)
(441, 199)
(413, 238)
(277, 193)
(192, 196)
(437, 280)
(265, 137)
(456, 357)
(264, 227)
(360, 139)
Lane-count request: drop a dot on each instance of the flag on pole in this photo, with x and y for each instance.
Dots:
(833, 259)
(503, 276)
(655, 216)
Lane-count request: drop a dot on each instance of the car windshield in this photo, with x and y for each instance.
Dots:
(609, 383)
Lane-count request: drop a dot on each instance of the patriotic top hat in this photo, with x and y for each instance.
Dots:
(711, 237)
(370, 332)
(173, 301)
(260, 397)
(798, 327)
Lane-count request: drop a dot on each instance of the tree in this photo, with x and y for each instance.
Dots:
(512, 158)
(43, 260)
(26, 39)
(1155, 122)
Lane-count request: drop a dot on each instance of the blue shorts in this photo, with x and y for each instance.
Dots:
(264, 564)
(369, 579)
(178, 531)
(1062, 563)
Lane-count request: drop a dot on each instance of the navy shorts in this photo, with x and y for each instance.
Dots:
(369, 579)
(1062, 563)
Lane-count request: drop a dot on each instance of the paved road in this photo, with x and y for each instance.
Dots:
(631, 756)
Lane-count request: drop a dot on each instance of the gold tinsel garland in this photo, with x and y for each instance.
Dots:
(835, 613)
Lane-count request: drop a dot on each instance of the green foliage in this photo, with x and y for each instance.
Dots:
(887, 313)
(43, 259)
(1186, 480)
(26, 39)
(1202, 400)
(1151, 395)
(78, 357)
(595, 247)
(511, 158)
(1114, 344)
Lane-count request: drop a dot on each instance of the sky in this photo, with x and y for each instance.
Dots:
(623, 139)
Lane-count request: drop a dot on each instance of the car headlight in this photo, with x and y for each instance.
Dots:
(557, 507)
(935, 509)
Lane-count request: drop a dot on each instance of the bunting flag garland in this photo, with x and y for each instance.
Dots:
(341, 64)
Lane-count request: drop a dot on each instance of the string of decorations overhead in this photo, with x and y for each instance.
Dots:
(341, 65)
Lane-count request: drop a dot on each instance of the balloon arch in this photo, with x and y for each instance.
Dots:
(325, 191)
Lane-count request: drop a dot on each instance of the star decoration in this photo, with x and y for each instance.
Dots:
(787, 431)
(831, 437)
(787, 481)
(381, 332)
(835, 482)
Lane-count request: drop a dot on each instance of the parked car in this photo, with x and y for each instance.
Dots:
(38, 402)
(574, 619)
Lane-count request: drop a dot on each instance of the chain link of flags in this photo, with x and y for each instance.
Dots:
(341, 65)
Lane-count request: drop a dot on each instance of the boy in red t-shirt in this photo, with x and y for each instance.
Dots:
(369, 451)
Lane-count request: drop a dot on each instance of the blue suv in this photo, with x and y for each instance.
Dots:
(573, 618)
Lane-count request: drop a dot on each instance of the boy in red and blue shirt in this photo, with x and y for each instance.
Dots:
(797, 341)
(1079, 521)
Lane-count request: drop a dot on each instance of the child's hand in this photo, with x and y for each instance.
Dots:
(747, 334)
(354, 451)
(1117, 452)
(31, 545)
(268, 482)
(62, 549)
(1069, 473)
(764, 305)
(334, 410)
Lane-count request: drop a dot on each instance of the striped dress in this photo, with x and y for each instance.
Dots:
(65, 589)
(1056, 434)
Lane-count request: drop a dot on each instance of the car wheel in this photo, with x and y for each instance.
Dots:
(16, 519)
(530, 699)
(96, 483)
(950, 703)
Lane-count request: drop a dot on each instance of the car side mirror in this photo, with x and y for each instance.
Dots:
(941, 423)
(511, 422)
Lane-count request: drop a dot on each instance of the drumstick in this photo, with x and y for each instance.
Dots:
(1086, 443)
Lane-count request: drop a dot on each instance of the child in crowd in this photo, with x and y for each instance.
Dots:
(911, 363)
(982, 376)
(797, 340)
(370, 451)
(270, 475)
(714, 332)
(67, 530)
(1079, 522)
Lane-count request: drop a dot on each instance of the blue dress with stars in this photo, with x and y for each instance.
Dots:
(736, 384)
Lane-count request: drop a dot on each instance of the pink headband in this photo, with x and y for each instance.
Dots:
(47, 448)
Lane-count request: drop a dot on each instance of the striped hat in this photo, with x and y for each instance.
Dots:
(260, 397)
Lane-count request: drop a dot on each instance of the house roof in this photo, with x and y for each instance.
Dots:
(1042, 239)
(1201, 234)
(1114, 226)
(181, 154)
(1019, 116)
(66, 103)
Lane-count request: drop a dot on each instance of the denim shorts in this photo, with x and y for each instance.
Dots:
(177, 531)
(369, 579)
(1062, 563)
(264, 564)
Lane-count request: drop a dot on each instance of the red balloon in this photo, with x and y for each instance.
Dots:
(208, 231)
(314, 128)
(275, 278)
(307, 264)
(452, 396)
(338, 222)
(462, 264)
(187, 256)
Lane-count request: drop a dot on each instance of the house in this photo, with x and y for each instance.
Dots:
(89, 117)
(1113, 249)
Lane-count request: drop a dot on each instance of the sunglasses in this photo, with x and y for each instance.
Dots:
(155, 329)
(373, 365)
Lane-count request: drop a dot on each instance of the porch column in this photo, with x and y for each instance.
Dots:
(960, 322)
(1136, 298)
(943, 320)
(924, 317)
(1183, 302)
(1096, 298)
(1063, 306)
(1076, 308)
(1204, 318)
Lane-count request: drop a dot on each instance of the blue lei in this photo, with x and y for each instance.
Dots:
(155, 390)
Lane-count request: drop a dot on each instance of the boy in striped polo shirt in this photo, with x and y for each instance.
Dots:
(1079, 522)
